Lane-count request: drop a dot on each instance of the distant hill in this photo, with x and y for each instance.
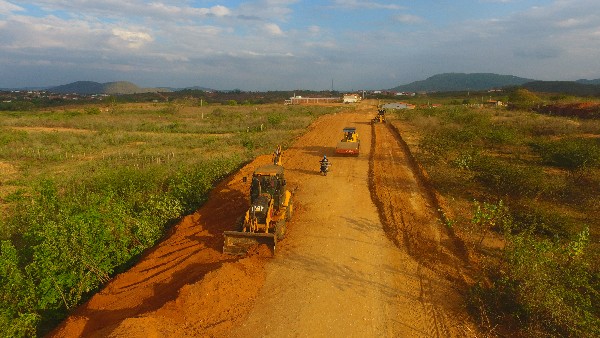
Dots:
(584, 81)
(204, 89)
(564, 87)
(451, 82)
(90, 87)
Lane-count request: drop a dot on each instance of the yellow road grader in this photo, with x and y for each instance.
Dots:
(350, 144)
(270, 208)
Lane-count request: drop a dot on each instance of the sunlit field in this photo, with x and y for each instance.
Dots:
(85, 190)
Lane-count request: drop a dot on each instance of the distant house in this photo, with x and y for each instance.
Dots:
(405, 94)
(398, 105)
(351, 98)
(494, 103)
(311, 100)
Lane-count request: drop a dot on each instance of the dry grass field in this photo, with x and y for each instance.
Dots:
(522, 190)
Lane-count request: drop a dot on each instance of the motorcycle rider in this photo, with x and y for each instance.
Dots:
(324, 163)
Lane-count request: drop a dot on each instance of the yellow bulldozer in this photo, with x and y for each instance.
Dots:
(380, 117)
(350, 144)
(270, 208)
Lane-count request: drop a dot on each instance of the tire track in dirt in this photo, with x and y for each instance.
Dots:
(410, 215)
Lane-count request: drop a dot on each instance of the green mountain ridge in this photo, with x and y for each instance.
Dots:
(577, 88)
(91, 87)
(585, 81)
(449, 82)
(446, 82)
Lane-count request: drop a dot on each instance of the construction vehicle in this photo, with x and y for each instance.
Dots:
(350, 144)
(265, 219)
(380, 117)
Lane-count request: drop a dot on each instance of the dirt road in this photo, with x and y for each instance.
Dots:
(364, 256)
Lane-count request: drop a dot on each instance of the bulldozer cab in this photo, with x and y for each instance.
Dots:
(268, 180)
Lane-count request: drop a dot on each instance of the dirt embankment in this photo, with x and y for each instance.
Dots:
(188, 262)
(585, 110)
(364, 256)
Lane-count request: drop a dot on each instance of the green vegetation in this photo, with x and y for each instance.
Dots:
(523, 191)
(84, 191)
(450, 82)
(524, 99)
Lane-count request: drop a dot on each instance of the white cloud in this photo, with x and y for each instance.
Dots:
(268, 10)
(272, 29)
(132, 39)
(357, 4)
(314, 29)
(128, 10)
(572, 22)
(9, 8)
(220, 11)
(408, 19)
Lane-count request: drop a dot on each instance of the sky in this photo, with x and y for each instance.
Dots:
(261, 45)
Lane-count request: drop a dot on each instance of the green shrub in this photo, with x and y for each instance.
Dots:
(275, 118)
(434, 147)
(18, 317)
(92, 110)
(541, 220)
(488, 217)
(573, 154)
(499, 135)
(554, 284)
(13, 137)
(523, 99)
(77, 235)
(502, 178)
(548, 288)
(467, 118)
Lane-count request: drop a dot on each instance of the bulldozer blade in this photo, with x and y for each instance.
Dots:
(238, 242)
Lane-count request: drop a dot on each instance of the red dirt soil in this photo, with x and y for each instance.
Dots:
(365, 255)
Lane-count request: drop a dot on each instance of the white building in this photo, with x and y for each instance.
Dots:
(351, 98)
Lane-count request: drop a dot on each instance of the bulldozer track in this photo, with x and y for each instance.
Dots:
(437, 322)
(458, 246)
(402, 225)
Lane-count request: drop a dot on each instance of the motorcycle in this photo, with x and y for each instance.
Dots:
(325, 167)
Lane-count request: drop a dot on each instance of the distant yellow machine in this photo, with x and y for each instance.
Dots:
(350, 144)
(270, 207)
(380, 117)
